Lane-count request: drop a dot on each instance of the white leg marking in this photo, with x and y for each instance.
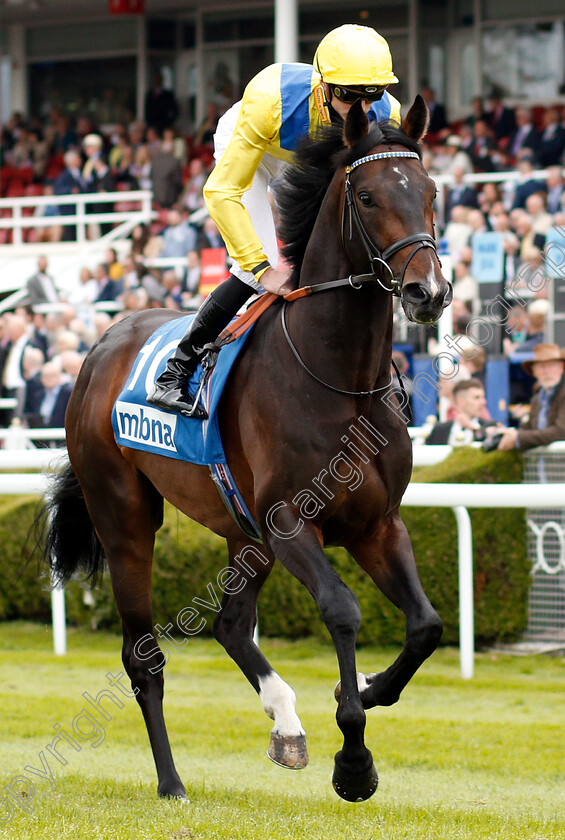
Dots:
(278, 701)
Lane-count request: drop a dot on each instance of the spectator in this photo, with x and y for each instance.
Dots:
(13, 382)
(32, 362)
(460, 193)
(489, 198)
(41, 286)
(457, 232)
(536, 321)
(124, 174)
(555, 184)
(179, 237)
(101, 181)
(108, 289)
(459, 158)
(468, 424)
(166, 176)
(501, 119)
(541, 220)
(50, 401)
(177, 143)
(483, 148)
(438, 120)
(70, 181)
(192, 198)
(552, 141)
(209, 236)
(161, 107)
(141, 167)
(526, 137)
(71, 363)
(546, 420)
(399, 359)
(92, 145)
(465, 287)
(527, 184)
(191, 279)
(207, 128)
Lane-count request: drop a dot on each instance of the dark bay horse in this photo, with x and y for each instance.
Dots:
(313, 437)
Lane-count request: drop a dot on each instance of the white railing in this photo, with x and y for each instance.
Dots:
(18, 222)
(459, 497)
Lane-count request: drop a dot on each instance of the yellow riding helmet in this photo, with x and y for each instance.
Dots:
(354, 55)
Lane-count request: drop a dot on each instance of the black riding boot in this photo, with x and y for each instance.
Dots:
(171, 387)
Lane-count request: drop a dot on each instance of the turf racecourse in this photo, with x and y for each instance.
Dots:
(457, 759)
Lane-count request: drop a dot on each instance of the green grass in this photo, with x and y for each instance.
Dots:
(483, 758)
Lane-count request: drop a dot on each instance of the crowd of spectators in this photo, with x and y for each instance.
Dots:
(61, 157)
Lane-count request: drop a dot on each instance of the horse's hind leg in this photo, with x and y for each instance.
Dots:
(389, 560)
(127, 511)
(234, 628)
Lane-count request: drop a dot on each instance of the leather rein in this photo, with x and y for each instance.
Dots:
(378, 260)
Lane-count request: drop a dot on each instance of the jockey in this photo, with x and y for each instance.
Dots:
(280, 106)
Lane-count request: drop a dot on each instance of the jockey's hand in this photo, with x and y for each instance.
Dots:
(276, 281)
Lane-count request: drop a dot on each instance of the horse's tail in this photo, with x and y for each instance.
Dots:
(69, 542)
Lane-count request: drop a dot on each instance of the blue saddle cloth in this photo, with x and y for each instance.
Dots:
(138, 425)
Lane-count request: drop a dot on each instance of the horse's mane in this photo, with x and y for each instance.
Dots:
(302, 188)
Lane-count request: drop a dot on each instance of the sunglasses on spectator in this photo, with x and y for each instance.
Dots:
(372, 93)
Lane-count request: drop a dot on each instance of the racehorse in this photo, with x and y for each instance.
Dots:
(313, 435)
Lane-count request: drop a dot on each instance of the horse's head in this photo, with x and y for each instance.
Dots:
(388, 210)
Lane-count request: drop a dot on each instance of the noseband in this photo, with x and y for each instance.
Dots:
(379, 259)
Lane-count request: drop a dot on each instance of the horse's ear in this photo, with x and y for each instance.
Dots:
(417, 119)
(356, 124)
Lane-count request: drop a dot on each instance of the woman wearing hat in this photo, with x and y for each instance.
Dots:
(546, 421)
(280, 106)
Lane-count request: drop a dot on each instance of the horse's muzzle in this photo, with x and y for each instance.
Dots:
(423, 304)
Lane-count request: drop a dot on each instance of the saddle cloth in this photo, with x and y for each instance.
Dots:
(138, 425)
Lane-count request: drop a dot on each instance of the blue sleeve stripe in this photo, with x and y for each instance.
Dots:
(380, 110)
(296, 86)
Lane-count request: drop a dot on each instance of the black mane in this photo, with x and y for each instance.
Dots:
(301, 191)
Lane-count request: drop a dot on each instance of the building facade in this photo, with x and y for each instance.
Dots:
(98, 58)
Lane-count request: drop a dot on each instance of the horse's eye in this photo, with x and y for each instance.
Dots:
(365, 199)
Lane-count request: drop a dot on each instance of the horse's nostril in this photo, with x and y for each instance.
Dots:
(416, 294)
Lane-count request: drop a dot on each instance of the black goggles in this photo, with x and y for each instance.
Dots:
(372, 93)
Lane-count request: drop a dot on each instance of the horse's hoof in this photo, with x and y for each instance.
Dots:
(289, 751)
(355, 787)
(176, 791)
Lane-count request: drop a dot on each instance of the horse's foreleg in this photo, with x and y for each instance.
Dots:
(389, 560)
(355, 777)
(234, 628)
(126, 512)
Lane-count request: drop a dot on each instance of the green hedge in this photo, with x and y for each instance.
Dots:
(188, 558)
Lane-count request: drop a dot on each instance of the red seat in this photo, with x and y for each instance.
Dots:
(34, 189)
(5, 236)
(16, 188)
(25, 174)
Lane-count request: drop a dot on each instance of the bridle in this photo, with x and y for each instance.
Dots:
(379, 259)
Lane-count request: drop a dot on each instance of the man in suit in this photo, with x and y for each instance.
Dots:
(161, 107)
(555, 184)
(461, 194)
(438, 119)
(41, 286)
(527, 184)
(468, 425)
(546, 420)
(552, 142)
(68, 182)
(525, 136)
(49, 403)
(501, 119)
